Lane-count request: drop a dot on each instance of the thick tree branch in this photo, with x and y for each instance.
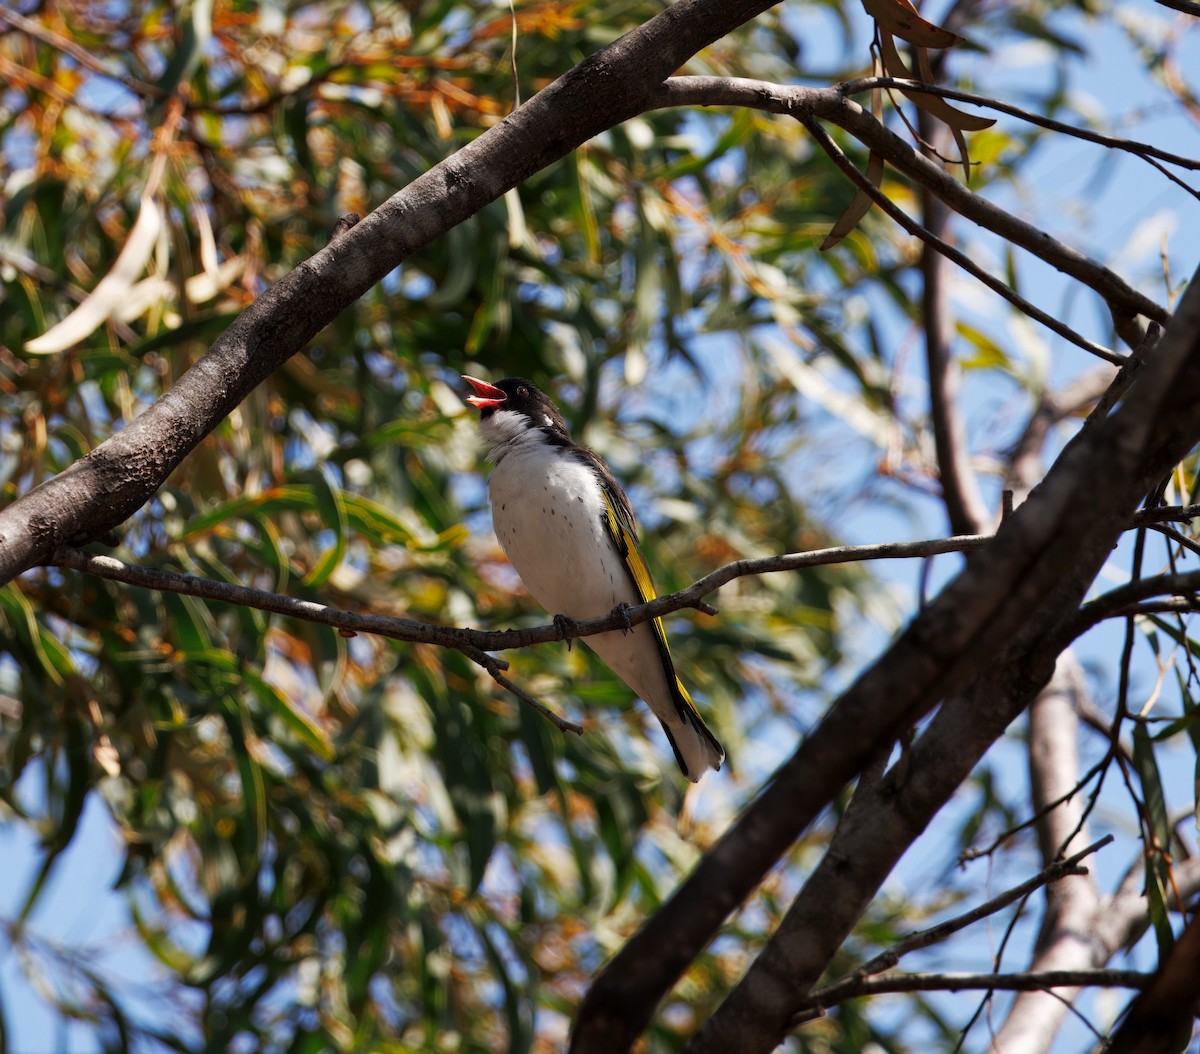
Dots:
(772, 996)
(101, 490)
(1005, 612)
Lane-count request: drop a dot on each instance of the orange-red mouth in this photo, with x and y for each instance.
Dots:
(486, 395)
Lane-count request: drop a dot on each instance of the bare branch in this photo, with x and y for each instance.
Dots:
(349, 623)
(1003, 614)
(495, 666)
(943, 931)
(1129, 146)
(498, 640)
(1119, 601)
(764, 1005)
(105, 487)
(965, 507)
(968, 855)
(832, 105)
(965, 262)
(1032, 981)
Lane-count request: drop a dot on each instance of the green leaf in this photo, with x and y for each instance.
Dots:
(332, 507)
(1159, 828)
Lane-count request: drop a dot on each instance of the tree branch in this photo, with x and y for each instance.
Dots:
(1032, 981)
(1004, 613)
(766, 1003)
(1118, 601)
(105, 487)
(1129, 146)
(948, 251)
(467, 640)
(943, 931)
(965, 508)
(831, 104)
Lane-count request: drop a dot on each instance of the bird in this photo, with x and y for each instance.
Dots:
(568, 530)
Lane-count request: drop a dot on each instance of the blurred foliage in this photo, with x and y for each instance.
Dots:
(351, 844)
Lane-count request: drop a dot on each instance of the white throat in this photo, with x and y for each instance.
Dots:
(506, 430)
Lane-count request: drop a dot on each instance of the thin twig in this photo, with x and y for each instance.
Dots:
(1130, 146)
(1179, 539)
(494, 666)
(936, 934)
(967, 855)
(86, 59)
(1032, 981)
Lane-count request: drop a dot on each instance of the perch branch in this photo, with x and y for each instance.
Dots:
(464, 640)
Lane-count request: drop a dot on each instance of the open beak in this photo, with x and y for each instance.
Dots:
(485, 394)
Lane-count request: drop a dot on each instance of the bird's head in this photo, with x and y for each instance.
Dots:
(513, 408)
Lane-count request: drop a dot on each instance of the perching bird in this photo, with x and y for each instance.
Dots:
(569, 532)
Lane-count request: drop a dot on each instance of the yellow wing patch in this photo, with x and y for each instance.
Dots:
(625, 538)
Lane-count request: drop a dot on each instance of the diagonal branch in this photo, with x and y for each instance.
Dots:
(948, 251)
(831, 104)
(105, 487)
(1003, 613)
(772, 997)
(943, 931)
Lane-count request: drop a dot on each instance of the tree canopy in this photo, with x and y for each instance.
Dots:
(801, 308)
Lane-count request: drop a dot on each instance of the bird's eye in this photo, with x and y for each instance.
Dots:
(522, 392)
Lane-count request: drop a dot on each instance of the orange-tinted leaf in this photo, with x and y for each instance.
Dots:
(901, 18)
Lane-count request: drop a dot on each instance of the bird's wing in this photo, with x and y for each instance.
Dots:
(622, 529)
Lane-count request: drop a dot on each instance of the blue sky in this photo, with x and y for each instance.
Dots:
(1117, 209)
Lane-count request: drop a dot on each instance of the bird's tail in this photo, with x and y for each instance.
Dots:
(696, 749)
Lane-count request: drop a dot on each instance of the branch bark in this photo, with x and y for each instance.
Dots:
(469, 640)
(102, 489)
(965, 507)
(832, 104)
(774, 992)
(1004, 614)
(1034, 1018)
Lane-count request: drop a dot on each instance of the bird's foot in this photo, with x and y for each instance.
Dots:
(622, 610)
(566, 627)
